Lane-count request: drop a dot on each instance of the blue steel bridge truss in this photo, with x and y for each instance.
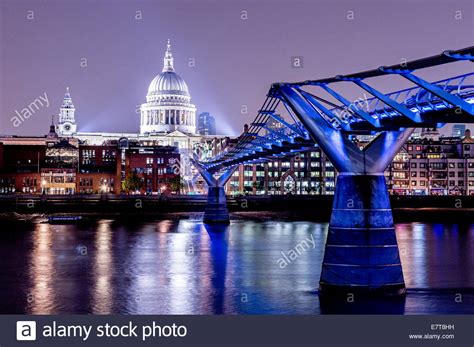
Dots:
(426, 104)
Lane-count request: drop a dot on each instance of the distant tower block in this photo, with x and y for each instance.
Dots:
(206, 124)
(67, 123)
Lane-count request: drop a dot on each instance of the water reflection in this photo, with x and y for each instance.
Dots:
(143, 261)
(185, 267)
(218, 236)
(104, 271)
(41, 296)
(180, 272)
(412, 247)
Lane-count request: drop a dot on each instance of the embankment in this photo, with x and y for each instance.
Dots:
(405, 208)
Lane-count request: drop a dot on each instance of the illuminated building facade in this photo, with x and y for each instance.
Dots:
(424, 166)
(168, 105)
(54, 165)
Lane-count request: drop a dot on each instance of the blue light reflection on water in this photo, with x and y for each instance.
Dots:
(185, 267)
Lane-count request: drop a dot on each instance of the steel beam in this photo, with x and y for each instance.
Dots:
(328, 113)
(334, 143)
(454, 100)
(285, 123)
(404, 111)
(362, 114)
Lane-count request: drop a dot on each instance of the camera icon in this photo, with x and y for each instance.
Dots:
(26, 330)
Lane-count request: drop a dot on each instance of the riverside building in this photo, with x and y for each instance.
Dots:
(54, 165)
(424, 166)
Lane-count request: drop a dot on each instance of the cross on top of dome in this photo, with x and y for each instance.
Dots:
(168, 60)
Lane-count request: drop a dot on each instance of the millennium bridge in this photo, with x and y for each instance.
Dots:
(361, 253)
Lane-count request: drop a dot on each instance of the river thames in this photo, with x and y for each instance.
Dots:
(186, 267)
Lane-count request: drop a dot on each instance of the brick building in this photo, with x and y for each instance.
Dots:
(99, 169)
(20, 165)
(54, 165)
(157, 167)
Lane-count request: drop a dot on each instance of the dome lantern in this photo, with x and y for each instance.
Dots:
(168, 59)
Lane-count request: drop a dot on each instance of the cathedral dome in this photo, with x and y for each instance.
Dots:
(168, 106)
(168, 83)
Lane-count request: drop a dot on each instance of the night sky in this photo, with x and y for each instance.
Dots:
(238, 47)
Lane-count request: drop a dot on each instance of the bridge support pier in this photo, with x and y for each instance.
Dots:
(361, 254)
(216, 207)
(216, 211)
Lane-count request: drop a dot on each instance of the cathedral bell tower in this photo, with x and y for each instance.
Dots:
(67, 123)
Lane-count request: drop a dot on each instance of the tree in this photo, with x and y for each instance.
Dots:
(131, 183)
(176, 184)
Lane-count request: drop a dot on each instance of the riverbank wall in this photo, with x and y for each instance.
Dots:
(314, 207)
